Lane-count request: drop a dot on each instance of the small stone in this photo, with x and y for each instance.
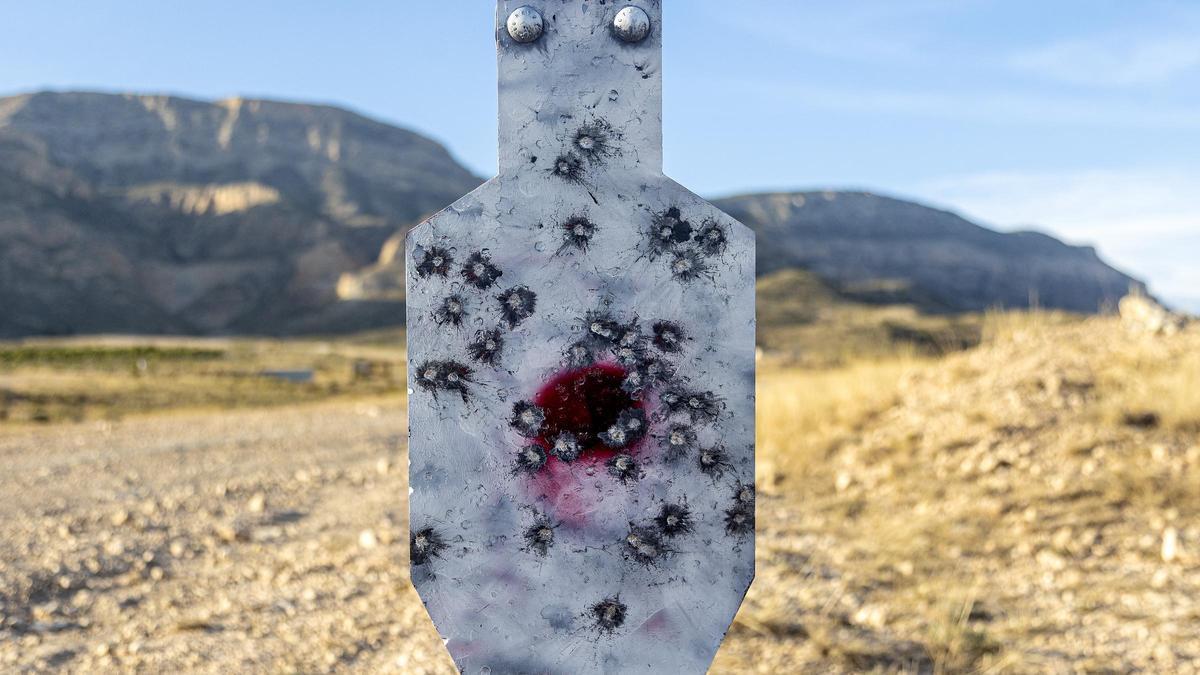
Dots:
(1170, 544)
(367, 540)
(257, 503)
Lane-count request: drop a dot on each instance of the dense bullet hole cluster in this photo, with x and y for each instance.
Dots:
(444, 376)
(685, 247)
(517, 304)
(668, 231)
(699, 406)
(425, 545)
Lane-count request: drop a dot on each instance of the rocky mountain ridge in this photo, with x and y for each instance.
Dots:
(159, 214)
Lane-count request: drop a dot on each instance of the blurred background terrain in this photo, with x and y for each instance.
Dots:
(979, 446)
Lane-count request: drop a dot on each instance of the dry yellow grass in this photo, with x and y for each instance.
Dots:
(803, 413)
(1030, 505)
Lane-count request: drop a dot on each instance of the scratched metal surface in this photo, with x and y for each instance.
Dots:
(581, 295)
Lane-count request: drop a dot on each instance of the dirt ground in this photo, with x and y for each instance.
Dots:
(1015, 508)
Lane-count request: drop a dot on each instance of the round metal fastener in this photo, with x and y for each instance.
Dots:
(525, 24)
(632, 24)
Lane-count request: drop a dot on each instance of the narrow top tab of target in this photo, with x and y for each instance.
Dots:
(564, 63)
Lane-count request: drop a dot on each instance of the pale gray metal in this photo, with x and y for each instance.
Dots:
(632, 24)
(616, 534)
(525, 24)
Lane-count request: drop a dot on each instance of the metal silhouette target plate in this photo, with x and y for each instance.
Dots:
(581, 368)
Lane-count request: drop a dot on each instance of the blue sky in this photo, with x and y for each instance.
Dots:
(1078, 117)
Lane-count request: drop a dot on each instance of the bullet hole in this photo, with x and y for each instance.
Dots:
(539, 537)
(435, 376)
(743, 493)
(578, 232)
(527, 419)
(674, 520)
(687, 266)
(480, 272)
(609, 614)
(680, 440)
(711, 238)
(629, 428)
(530, 460)
(623, 468)
(595, 141)
(700, 406)
(633, 421)
(569, 167)
(634, 383)
(644, 545)
(588, 404)
(615, 437)
(714, 462)
(425, 545)
(517, 304)
(631, 349)
(657, 372)
(579, 355)
(435, 261)
(451, 312)
(602, 330)
(566, 447)
(668, 230)
(486, 347)
(739, 520)
(669, 336)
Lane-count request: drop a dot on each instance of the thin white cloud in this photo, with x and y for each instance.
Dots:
(1113, 60)
(1146, 221)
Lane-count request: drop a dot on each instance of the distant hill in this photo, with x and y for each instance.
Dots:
(158, 214)
(886, 249)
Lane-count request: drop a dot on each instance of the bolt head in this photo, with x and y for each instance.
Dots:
(525, 24)
(632, 24)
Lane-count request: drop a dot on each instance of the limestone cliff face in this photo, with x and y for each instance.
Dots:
(152, 214)
(167, 215)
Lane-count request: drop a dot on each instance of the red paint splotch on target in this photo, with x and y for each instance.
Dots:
(585, 402)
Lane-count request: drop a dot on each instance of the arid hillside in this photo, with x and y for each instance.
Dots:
(126, 213)
(1027, 505)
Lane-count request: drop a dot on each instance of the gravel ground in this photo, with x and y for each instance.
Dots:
(986, 522)
(265, 540)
